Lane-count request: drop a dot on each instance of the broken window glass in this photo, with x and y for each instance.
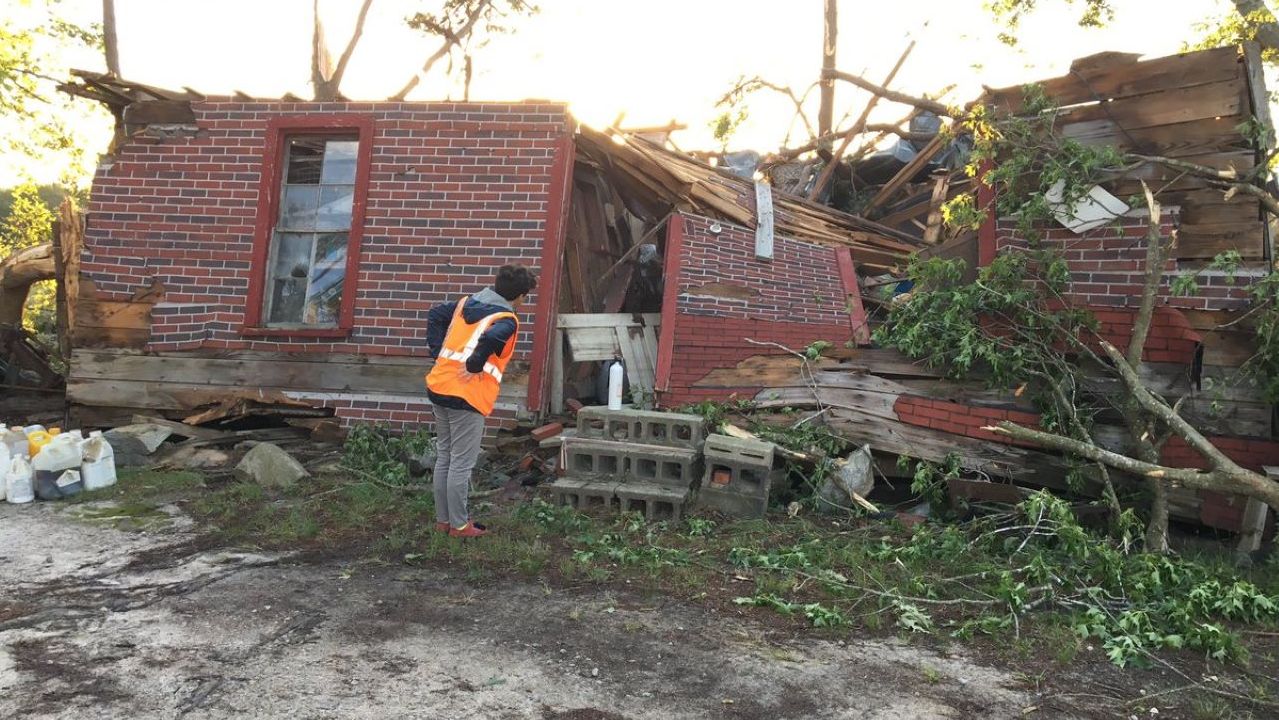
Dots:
(306, 275)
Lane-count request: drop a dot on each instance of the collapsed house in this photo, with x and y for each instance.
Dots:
(286, 253)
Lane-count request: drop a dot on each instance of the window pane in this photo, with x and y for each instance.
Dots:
(298, 209)
(324, 298)
(335, 207)
(339, 162)
(305, 158)
(287, 282)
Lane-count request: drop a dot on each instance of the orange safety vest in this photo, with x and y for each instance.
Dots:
(450, 376)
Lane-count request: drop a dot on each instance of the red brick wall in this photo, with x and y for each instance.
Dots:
(1106, 265)
(793, 299)
(456, 190)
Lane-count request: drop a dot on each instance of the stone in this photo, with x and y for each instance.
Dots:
(854, 474)
(197, 458)
(269, 466)
(134, 444)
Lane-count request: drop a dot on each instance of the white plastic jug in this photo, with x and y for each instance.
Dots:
(19, 487)
(16, 440)
(34, 429)
(97, 468)
(4, 464)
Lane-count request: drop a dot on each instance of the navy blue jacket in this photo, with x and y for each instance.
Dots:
(491, 342)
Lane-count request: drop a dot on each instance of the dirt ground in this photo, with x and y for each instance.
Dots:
(96, 622)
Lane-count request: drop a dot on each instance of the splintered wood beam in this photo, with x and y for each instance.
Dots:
(903, 176)
(941, 187)
(856, 129)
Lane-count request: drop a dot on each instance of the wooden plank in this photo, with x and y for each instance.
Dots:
(1207, 241)
(557, 372)
(591, 344)
(1253, 526)
(179, 428)
(1179, 140)
(1119, 79)
(597, 320)
(941, 187)
(912, 168)
(1259, 104)
(647, 360)
(763, 221)
(114, 314)
(1180, 105)
(634, 371)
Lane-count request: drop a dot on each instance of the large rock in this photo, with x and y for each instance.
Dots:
(855, 474)
(270, 467)
(134, 444)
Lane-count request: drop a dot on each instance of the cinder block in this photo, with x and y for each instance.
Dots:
(656, 502)
(625, 462)
(738, 466)
(588, 458)
(732, 503)
(599, 495)
(642, 426)
(674, 467)
(567, 491)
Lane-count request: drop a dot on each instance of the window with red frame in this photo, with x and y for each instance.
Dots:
(306, 274)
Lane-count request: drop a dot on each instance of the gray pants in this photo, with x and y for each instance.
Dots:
(457, 445)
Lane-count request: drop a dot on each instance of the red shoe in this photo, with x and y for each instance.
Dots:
(468, 530)
(441, 527)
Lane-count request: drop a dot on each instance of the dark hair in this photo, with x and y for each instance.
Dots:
(513, 281)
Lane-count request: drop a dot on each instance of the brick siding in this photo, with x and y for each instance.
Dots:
(793, 299)
(1106, 266)
(455, 191)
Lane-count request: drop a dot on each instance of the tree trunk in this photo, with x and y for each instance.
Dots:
(830, 33)
(1141, 426)
(1268, 29)
(17, 273)
(321, 61)
(109, 46)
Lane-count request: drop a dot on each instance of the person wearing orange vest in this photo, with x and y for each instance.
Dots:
(472, 341)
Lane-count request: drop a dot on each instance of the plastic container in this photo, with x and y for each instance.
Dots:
(16, 440)
(37, 441)
(4, 464)
(33, 428)
(18, 483)
(97, 467)
(616, 377)
(57, 468)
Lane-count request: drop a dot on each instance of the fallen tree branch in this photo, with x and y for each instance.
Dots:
(925, 104)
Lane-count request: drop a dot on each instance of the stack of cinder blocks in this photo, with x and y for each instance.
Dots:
(737, 479)
(633, 460)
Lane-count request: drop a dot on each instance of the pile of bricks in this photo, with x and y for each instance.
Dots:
(652, 462)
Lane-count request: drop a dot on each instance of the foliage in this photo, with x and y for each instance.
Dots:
(467, 26)
(35, 41)
(373, 451)
(1133, 604)
(1264, 365)
(1094, 13)
(724, 125)
(1234, 28)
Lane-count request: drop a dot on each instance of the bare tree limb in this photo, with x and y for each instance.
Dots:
(340, 69)
(110, 47)
(892, 95)
(451, 41)
(857, 127)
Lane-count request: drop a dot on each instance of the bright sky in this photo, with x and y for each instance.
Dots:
(655, 60)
